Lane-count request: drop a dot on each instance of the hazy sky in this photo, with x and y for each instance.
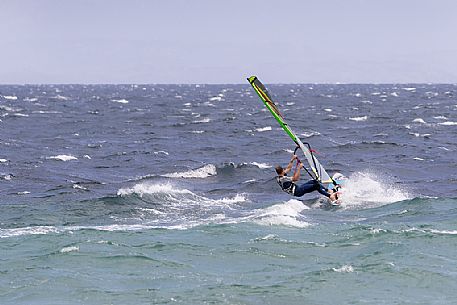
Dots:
(211, 41)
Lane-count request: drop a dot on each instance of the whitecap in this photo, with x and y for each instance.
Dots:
(215, 99)
(38, 230)
(204, 120)
(328, 109)
(445, 232)
(163, 152)
(3, 160)
(359, 119)
(63, 157)
(410, 89)
(10, 97)
(267, 128)
(419, 120)
(146, 188)
(122, 101)
(237, 199)
(69, 249)
(61, 97)
(449, 123)
(202, 172)
(344, 269)
(418, 159)
(286, 214)
(440, 117)
(8, 177)
(310, 134)
(261, 165)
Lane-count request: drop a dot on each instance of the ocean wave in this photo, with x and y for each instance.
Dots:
(448, 123)
(146, 188)
(419, 120)
(122, 101)
(261, 165)
(202, 172)
(359, 118)
(262, 129)
(344, 269)
(286, 214)
(63, 157)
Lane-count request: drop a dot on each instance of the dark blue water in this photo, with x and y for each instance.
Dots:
(164, 194)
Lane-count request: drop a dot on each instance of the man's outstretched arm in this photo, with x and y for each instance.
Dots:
(296, 176)
(289, 166)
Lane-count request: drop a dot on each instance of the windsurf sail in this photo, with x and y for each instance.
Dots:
(317, 171)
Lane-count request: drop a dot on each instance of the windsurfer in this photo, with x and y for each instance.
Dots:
(288, 184)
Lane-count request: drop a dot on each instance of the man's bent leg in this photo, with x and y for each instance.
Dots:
(307, 187)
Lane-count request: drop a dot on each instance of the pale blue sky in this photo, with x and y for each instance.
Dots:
(204, 41)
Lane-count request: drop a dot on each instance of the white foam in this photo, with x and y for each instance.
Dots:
(3, 160)
(444, 232)
(410, 89)
(163, 152)
(394, 94)
(449, 123)
(38, 230)
(197, 131)
(261, 165)
(10, 97)
(286, 214)
(69, 249)
(79, 187)
(215, 99)
(368, 190)
(146, 188)
(419, 120)
(61, 97)
(328, 109)
(237, 199)
(122, 101)
(310, 134)
(267, 128)
(202, 172)
(63, 157)
(344, 269)
(204, 120)
(440, 117)
(359, 118)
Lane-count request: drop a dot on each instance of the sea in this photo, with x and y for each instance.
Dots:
(166, 194)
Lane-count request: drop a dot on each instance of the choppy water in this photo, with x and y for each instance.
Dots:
(155, 194)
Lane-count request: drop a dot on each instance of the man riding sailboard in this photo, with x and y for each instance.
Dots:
(315, 170)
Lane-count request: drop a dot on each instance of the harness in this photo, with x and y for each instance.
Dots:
(286, 184)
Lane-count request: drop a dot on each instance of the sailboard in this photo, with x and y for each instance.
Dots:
(317, 171)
